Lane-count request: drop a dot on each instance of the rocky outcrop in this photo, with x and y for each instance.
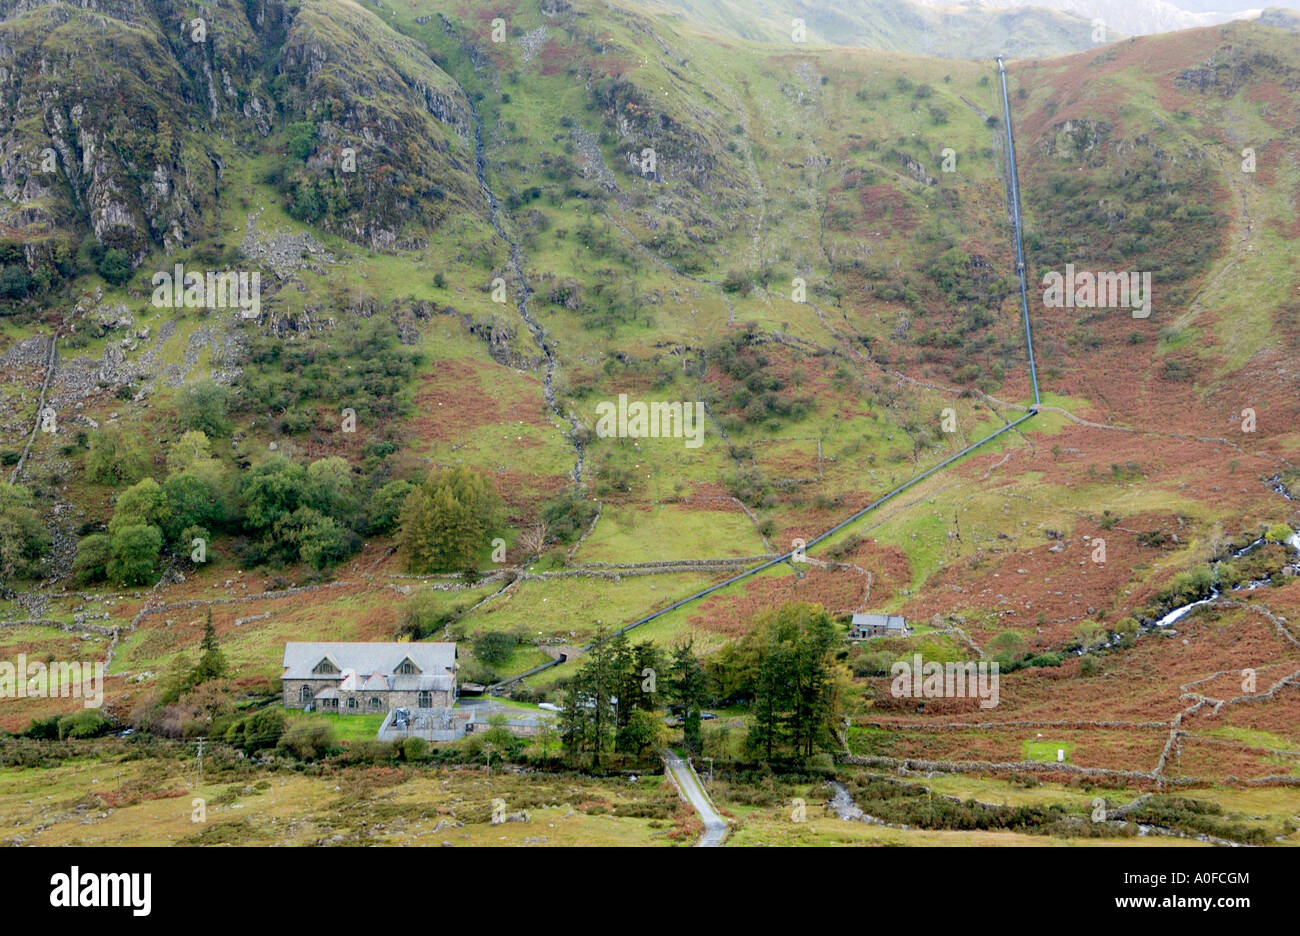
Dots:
(99, 107)
(393, 131)
(108, 112)
(1075, 140)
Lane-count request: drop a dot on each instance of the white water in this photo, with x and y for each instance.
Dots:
(1177, 613)
(1293, 541)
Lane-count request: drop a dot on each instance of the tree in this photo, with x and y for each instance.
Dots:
(115, 266)
(300, 139)
(643, 730)
(687, 687)
(586, 724)
(1090, 635)
(534, 539)
(192, 501)
(204, 406)
(545, 739)
(494, 647)
(133, 554)
(795, 682)
(189, 450)
(1279, 533)
(23, 537)
(1007, 647)
(272, 491)
(143, 503)
(114, 458)
(567, 516)
(771, 698)
(91, 564)
(212, 663)
(328, 488)
(448, 520)
(316, 539)
(386, 506)
(14, 282)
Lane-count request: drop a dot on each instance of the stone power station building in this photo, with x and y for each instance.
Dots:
(365, 678)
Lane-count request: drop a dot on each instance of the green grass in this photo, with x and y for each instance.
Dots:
(1046, 750)
(361, 727)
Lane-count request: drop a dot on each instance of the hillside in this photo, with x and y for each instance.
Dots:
(946, 30)
(469, 245)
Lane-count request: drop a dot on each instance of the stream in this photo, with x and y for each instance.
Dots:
(517, 269)
(1293, 541)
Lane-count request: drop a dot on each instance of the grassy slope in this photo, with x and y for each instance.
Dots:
(782, 162)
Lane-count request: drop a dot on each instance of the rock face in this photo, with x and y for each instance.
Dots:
(98, 112)
(114, 115)
(394, 133)
(915, 169)
(1076, 140)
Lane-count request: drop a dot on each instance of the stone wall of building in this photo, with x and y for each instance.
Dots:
(292, 689)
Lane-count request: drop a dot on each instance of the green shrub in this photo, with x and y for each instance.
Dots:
(44, 729)
(413, 749)
(1279, 533)
(204, 406)
(91, 564)
(115, 266)
(308, 740)
(495, 647)
(88, 723)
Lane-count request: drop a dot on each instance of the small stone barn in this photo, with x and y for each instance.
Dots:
(866, 626)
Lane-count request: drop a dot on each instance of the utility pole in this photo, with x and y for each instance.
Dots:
(201, 740)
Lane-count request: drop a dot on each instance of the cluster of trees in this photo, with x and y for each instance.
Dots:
(448, 520)
(360, 364)
(613, 701)
(60, 260)
(301, 513)
(1166, 230)
(758, 396)
(24, 540)
(786, 667)
(294, 512)
(85, 723)
(283, 511)
(194, 499)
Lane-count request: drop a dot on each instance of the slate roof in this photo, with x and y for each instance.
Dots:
(893, 622)
(434, 660)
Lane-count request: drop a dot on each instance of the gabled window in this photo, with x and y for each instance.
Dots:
(407, 668)
(326, 667)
